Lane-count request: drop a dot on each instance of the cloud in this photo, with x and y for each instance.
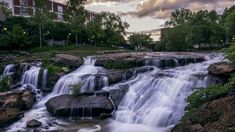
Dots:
(104, 1)
(162, 8)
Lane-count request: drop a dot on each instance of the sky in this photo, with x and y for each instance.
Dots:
(147, 15)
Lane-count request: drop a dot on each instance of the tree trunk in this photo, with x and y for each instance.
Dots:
(40, 36)
(76, 39)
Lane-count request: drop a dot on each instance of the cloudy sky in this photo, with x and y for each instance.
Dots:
(145, 15)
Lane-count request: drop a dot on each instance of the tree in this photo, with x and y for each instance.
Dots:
(179, 17)
(230, 25)
(41, 17)
(94, 30)
(113, 27)
(5, 9)
(175, 39)
(76, 16)
(16, 38)
(140, 40)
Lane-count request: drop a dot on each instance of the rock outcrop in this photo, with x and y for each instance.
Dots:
(221, 68)
(68, 60)
(215, 116)
(13, 104)
(137, 59)
(79, 106)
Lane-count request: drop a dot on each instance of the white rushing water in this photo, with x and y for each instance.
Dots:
(155, 100)
(63, 86)
(9, 69)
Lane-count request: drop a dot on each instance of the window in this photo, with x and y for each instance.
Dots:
(24, 2)
(24, 7)
(60, 9)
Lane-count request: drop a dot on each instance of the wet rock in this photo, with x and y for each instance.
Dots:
(221, 68)
(20, 100)
(34, 123)
(215, 116)
(8, 115)
(68, 60)
(69, 105)
(117, 94)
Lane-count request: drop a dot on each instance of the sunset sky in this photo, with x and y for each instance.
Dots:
(145, 15)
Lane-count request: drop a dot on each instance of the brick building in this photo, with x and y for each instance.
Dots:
(26, 8)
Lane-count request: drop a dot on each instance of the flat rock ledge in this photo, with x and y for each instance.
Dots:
(80, 106)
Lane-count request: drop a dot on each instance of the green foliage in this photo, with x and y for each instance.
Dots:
(140, 40)
(231, 52)
(230, 24)
(75, 89)
(16, 38)
(196, 30)
(205, 95)
(5, 83)
(52, 68)
(5, 9)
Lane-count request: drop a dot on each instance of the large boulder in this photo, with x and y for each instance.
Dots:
(20, 100)
(221, 68)
(67, 59)
(79, 106)
(215, 116)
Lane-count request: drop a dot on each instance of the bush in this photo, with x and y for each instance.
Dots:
(75, 89)
(5, 83)
(16, 38)
(208, 94)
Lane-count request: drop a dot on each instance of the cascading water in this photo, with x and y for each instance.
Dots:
(44, 78)
(30, 77)
(156, 100)
(9, 69)
(63, 86)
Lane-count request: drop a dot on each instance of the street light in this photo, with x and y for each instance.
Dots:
(5, 29)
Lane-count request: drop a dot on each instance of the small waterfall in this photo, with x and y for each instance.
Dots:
(65, 82)
(9, 69)
(30, 77)
(104, 81)
(44, 78)
(88, 84)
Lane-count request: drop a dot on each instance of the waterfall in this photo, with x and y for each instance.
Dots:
(156, 100)
(44, 78)
(30, 77)
(63, 86)
(9, 69)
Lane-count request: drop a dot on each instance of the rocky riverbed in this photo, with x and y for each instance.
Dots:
(112, 85)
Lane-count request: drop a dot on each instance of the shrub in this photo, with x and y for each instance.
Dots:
(5, 83)
(75, 89)
(208, 94)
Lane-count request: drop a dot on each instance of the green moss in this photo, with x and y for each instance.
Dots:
(118, 64)
(5, 83)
